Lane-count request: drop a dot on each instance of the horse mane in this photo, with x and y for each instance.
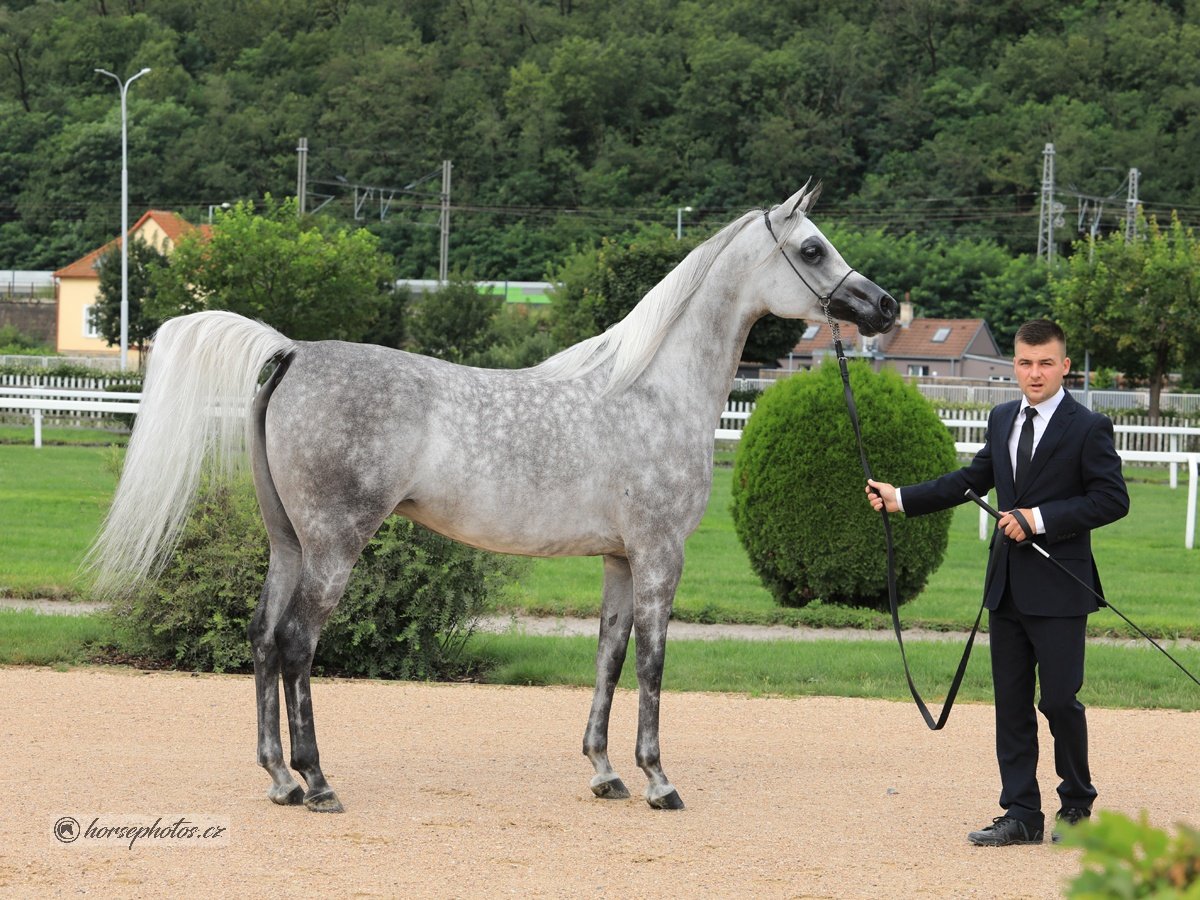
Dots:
(632, 343)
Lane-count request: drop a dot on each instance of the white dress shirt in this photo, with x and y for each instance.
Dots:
(1045, 410)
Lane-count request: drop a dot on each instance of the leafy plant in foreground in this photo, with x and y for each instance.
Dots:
(1125, 859)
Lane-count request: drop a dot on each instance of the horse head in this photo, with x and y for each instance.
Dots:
(826, 281)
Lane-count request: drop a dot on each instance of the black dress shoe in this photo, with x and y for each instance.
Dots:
(1003, 831)
(1068, 817)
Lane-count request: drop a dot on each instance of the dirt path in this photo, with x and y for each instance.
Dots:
(475, 791)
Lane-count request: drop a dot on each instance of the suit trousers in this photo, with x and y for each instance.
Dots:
(1050, 650)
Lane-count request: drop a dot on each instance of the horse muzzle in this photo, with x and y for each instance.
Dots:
(861, 301)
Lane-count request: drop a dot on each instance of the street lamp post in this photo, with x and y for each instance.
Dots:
(679, 211)
(124, 88)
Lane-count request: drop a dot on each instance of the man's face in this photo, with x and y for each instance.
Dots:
(1040, 369)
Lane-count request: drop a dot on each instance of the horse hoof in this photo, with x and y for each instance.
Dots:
(669, 800)
(286, 796)
(612, 789)
(324, 802)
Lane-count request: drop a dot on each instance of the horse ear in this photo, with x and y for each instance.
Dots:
(804, 199)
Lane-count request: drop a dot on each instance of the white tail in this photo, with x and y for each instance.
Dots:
(200, 382)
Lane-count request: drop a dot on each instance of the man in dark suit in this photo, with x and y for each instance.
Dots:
(1058, 474)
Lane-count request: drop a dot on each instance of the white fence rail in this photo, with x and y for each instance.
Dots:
(1135, 442)
(36, 402)
(1133, 434)
(992, 394)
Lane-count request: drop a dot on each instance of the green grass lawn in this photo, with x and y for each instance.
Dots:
(87, 437)
(1117, 677)
(32, 639)
(1145, 568)
(52, 501)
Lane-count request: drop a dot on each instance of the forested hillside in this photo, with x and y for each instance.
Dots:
(567, 120)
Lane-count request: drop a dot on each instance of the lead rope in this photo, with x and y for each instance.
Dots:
(893, 595)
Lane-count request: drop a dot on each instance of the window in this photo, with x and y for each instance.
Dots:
(918, 370)
(939, 336)
(811, 332)
(89, 326)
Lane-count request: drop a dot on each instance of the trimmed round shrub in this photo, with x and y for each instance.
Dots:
(412, 601)
(798, 502)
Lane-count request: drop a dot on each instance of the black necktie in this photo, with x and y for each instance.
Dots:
(1025, 446)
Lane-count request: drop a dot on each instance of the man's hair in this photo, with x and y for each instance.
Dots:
(1040, 331)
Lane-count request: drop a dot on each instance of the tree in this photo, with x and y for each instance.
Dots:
(309, 277)
(106, 314)
(451, 323)
(1135, 304)
(601, 286)
(571, 121)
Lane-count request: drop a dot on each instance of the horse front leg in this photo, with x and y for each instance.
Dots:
(616, 620)
(655, 578)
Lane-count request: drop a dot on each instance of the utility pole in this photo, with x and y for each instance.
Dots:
(302, 173)
(1051, 212)
(124, 89)
(1131, 204)
(444, 256)
(679, 211)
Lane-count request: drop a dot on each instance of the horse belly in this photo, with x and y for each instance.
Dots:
(528, 526)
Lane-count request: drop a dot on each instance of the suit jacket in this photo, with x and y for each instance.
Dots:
(1074, 477)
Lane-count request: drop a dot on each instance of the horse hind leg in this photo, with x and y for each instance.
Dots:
(616, 619)
(323, 579)
(282, 577)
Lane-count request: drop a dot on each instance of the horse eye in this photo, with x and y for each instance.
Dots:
(811, 251)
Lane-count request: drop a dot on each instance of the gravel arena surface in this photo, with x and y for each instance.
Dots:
(455, 790)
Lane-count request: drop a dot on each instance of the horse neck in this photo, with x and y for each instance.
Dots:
(698, 358)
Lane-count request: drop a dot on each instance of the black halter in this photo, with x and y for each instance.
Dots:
(823, 299)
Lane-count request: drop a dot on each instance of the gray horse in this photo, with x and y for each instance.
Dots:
(603, 450)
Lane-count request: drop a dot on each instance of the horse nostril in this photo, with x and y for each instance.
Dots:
(888, 305)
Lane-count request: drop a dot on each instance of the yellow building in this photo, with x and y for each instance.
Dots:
(79, 285)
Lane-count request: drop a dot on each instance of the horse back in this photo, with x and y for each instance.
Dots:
(498, 459)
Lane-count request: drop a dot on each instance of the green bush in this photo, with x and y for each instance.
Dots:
(798, 502)
(411, 602)
(1125, 859)
(62, 370)
(196, 613)
(15, 343)
(747, 395)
